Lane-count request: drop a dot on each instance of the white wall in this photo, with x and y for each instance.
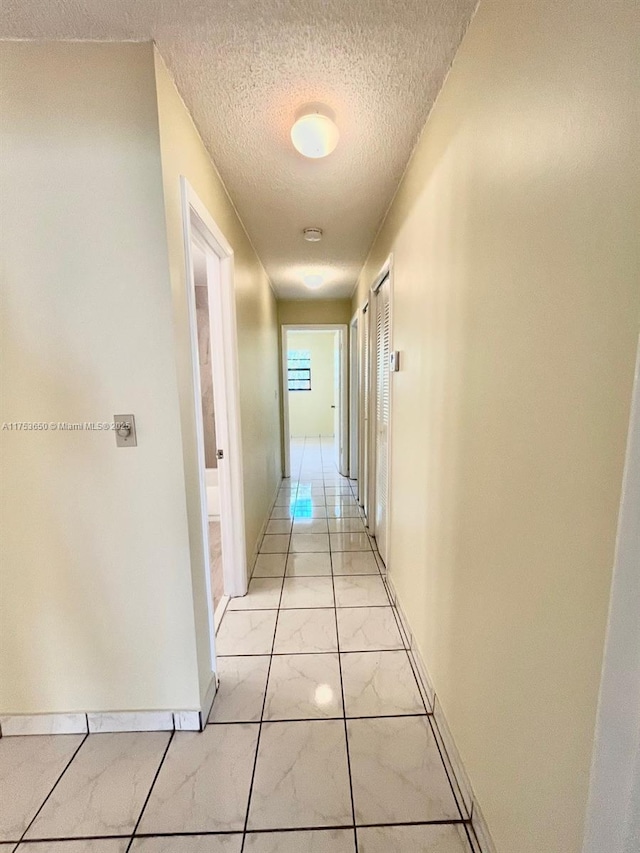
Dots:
(96, 610)
(517, 311)
(310, 412)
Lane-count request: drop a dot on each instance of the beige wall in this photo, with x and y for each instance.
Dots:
(300, 311)
(96, 610)
(516, 309)
(184, 154)
(310, 412)
(103, 606)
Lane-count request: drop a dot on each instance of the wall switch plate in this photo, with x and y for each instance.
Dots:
(125, 430)
(394, 361)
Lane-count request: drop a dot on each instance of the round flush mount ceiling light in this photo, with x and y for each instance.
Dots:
(313, 280)
(314, 133)
(312, 235)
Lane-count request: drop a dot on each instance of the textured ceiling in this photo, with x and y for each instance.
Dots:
(244, 67)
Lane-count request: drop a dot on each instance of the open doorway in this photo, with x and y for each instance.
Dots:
(315, 389)
(213, 333)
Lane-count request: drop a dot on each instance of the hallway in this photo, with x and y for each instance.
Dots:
(319, 725)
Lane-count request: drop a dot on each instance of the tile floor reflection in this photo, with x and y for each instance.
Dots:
(319, 740)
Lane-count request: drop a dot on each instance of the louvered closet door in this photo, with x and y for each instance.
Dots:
(383, 403)
(363, 485)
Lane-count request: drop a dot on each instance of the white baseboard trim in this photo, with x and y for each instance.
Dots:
(467, 802)
(220, 611)
(17, 725)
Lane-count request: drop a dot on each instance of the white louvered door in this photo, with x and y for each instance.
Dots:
(363, 487)
(382, 414)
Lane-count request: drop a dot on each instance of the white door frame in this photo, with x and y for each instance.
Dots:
(341, 328)
(354, 399)
(364, 388)
(198, 223)
(386, 271)
(613, 809)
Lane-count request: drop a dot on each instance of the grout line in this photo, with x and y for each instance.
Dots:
(148, 797)
(44, 802)
(344, 704)
(264, 702)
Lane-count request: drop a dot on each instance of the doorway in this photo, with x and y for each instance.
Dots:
(376, 400)
(314, 377)
(354, 413)
(213, 337)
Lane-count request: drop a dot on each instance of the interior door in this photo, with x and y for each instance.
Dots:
(365, 397)
(337, 432)
(382, 415)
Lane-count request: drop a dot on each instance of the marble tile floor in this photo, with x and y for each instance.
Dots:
(319, 740)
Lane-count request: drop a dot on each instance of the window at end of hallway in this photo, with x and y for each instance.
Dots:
(299, 369)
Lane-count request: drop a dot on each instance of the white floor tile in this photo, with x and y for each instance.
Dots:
(29, 768)
(310, 525)
(350, 542)
(104, 788)
(397, 772)
(360, 591)
(275, 543)
(203, 785)
(343, 511)
(240, 696)
(303, 687)
(309, 542)
(263, 594)
(307, 592)
(102, 845)
(354, 563)
(346, 525)
(368, 629)
(379, 684)
(306, 631)
(280, 512)
(308, 565)
(246, 632)
(188, 844)
(307, 511)
(270, 566)
(416, 839)
(314, 841)
(279, 525)
(301, 777)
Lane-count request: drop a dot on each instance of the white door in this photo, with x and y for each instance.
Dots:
(363, 479)
(382, 415)
(353, 400)
(337, 432)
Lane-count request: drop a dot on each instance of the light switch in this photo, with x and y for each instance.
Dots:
(125, 430)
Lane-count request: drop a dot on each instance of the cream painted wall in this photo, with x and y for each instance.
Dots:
(96, 610)
(310, 412)
(183, 153)
(516, 266)
(315, 311)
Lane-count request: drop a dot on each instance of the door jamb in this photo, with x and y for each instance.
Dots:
(222, 317)
(344, 398)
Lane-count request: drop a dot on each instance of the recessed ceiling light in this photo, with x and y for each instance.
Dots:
(314, 135)
(313, 280)
(313, 235)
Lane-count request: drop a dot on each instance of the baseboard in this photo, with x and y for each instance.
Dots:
(478, 831)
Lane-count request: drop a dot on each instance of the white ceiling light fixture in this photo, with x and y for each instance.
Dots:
(313, 280)
(314, 133)
(312, 235)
